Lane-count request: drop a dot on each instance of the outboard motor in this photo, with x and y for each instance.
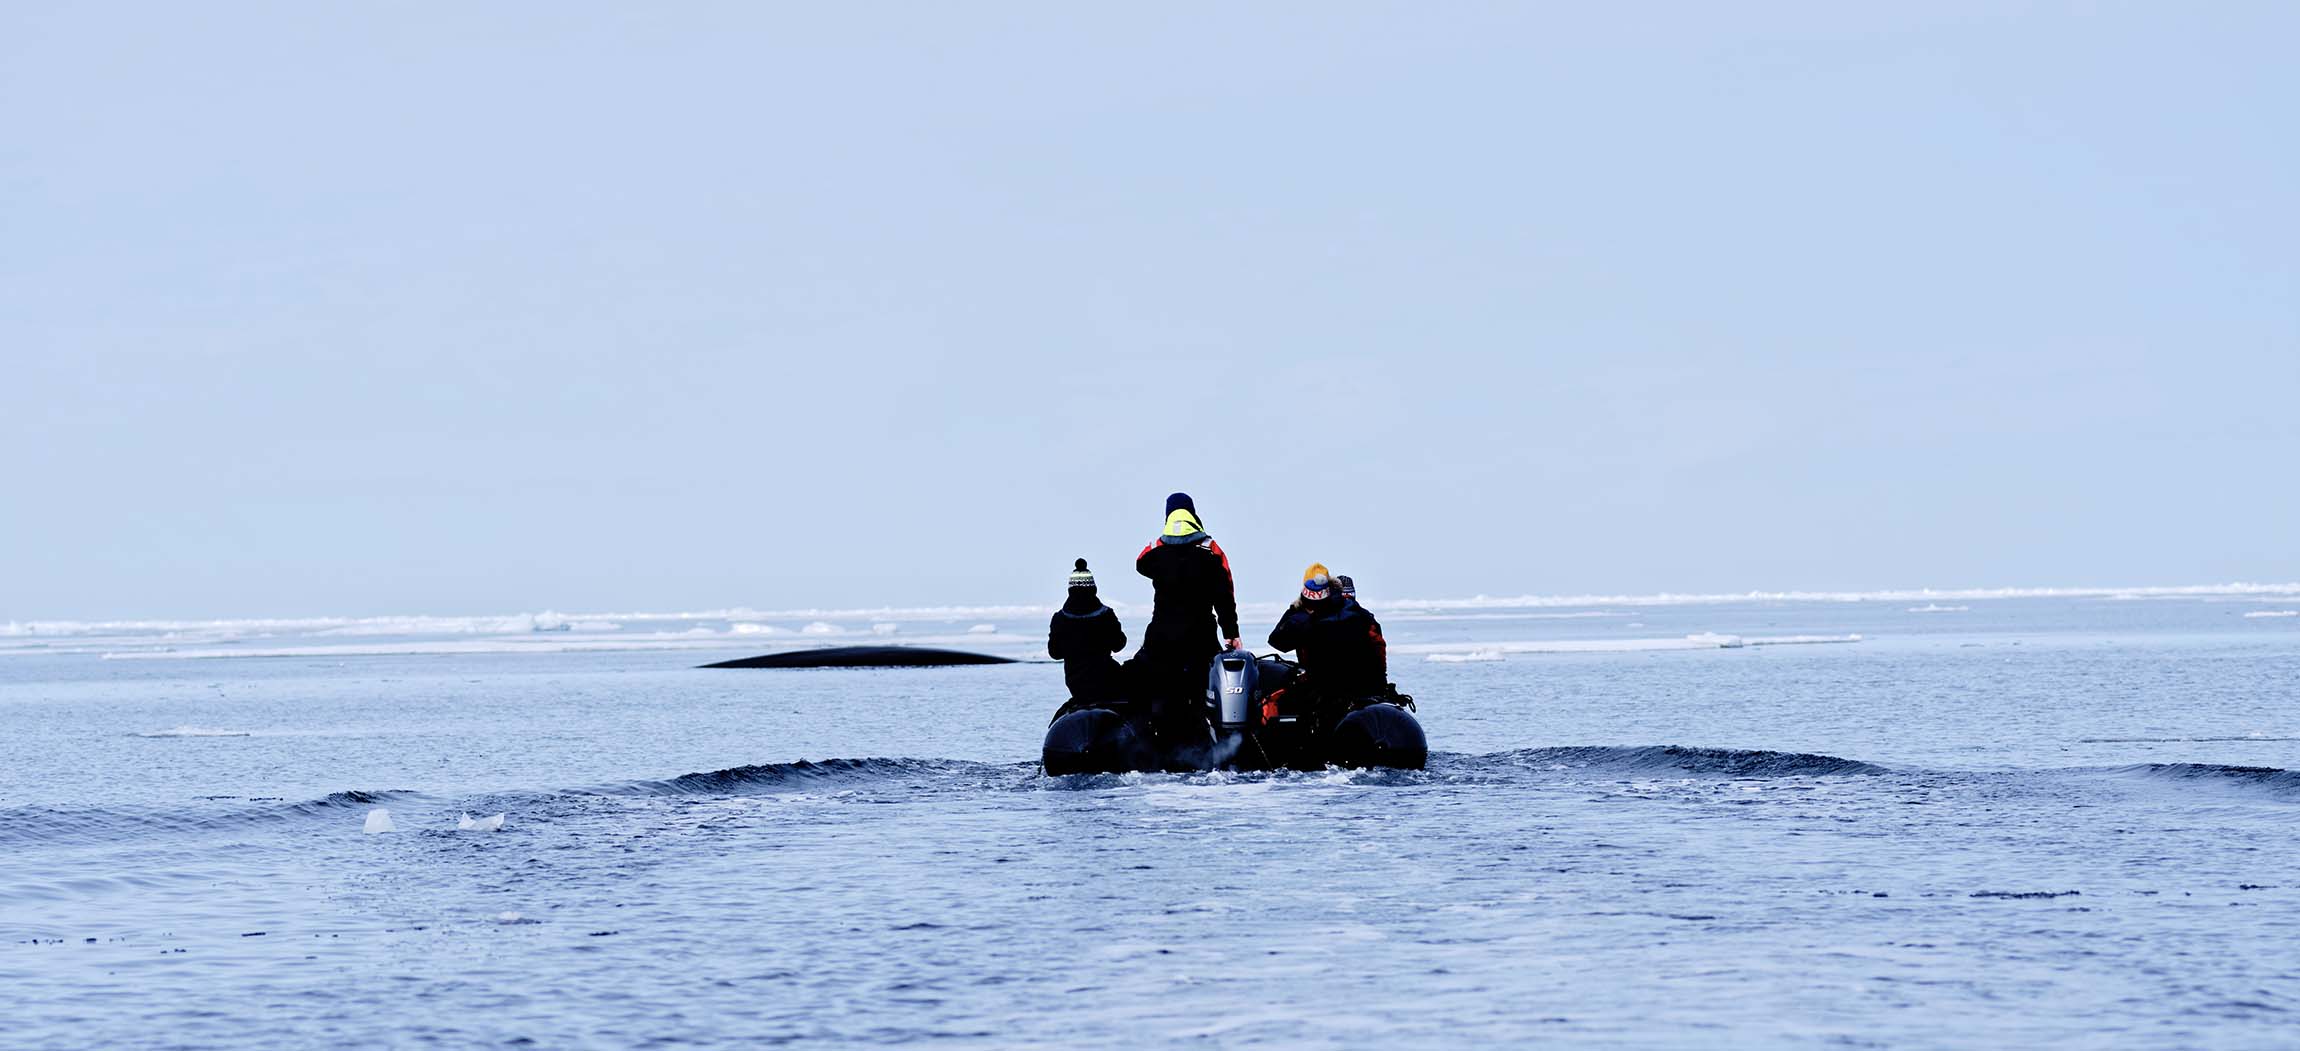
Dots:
(1230, 692)
(1229, 709)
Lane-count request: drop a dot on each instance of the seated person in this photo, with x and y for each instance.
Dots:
(1339, 645)
(1083, 635)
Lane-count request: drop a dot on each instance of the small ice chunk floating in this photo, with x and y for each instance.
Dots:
(378, 820)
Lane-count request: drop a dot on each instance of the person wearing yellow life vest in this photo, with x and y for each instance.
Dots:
(1193, 615)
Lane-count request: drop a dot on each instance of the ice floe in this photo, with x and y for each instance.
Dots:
(194, 731)
(551, 621)
(1700, 641)
(1472, 657)
(550, 631)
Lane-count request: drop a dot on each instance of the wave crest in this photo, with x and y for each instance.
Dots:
(805, 772)
(1713, 762)
(2273, 778)
(51, 824)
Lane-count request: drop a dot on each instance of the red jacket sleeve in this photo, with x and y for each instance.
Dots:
(1225, 594)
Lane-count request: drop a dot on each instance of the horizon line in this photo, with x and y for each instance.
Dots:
(509, 622)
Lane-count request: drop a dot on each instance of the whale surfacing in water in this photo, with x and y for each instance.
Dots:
(864, 657)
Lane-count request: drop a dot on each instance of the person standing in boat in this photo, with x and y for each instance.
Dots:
(1193, 616)
(1083, 635)
(1343, 656)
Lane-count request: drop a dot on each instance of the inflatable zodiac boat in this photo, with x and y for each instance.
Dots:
(1248, 726)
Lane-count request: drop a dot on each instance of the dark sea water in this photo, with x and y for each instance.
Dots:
(2034, 822)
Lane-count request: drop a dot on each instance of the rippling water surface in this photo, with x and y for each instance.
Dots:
(2043, 822)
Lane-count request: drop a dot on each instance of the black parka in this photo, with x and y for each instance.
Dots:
(1083, 635)
(1194, 595)
(1339, 644)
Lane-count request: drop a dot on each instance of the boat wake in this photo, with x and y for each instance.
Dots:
(50, 825)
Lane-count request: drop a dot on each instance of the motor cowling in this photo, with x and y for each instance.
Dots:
(1231, 690)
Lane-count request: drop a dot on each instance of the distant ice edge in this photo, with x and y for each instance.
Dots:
(1478, 652)
(877, 618)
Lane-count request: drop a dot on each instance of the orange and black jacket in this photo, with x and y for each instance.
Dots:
(1193, 592)
(1339, 644)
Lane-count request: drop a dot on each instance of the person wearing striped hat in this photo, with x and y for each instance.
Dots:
(1083, 635)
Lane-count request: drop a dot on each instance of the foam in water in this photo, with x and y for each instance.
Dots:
(2273, 613)
(485, 824)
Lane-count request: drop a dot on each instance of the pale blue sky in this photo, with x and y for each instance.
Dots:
(394, 308)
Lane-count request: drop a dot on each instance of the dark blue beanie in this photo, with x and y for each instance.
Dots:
(1180, 502)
